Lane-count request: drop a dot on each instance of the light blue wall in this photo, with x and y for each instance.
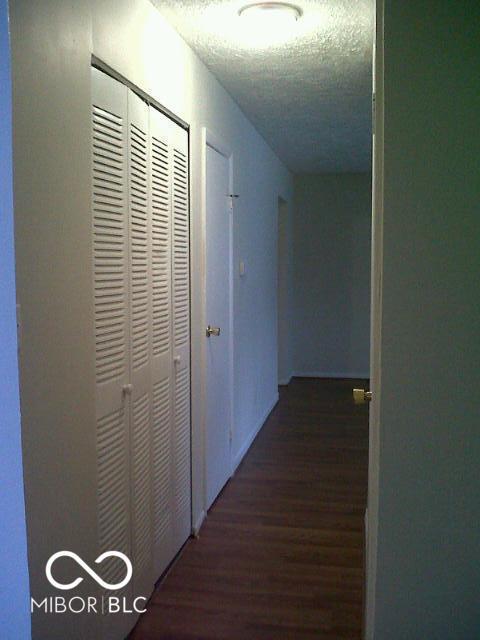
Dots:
(14, 589)
(332, 230)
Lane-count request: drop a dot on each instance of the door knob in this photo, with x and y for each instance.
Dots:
(213, 331)
(360, 396)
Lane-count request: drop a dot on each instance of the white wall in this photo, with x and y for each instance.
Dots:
(332, 227)
(52, 45)
(428, 563)
(14, 588)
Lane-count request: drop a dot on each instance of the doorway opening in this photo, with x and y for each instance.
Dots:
(283, 294)
(272, 281)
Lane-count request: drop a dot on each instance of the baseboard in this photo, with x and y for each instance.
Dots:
(241, 454)
(331, 374)
(284, 381)
(198, 524)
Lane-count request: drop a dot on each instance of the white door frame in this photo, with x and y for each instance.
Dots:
(376, 321)
(210, 139)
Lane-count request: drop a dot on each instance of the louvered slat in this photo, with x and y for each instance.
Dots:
(112, 488)
(108, 245)
(182, 444)
(161, 218)
(141, 472)
(180, 249)
(139, 246)
(162, 455)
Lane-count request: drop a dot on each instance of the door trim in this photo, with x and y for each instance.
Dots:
(371, 520)
(212, 140)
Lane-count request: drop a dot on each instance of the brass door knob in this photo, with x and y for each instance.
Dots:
(360, 396)
(213, 331)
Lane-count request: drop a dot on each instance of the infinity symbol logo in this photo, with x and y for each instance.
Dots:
(95, 576)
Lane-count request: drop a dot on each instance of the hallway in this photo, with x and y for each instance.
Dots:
(281, 552)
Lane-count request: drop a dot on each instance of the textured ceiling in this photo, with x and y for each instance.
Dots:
(308, 95)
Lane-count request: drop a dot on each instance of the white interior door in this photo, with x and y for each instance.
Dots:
(218, 351)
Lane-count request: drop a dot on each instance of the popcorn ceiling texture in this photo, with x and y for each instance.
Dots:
(309, 96)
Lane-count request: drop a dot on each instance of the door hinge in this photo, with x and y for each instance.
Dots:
(374, 112)
(19, 328)
(232, 196)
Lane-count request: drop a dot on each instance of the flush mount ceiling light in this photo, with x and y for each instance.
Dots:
(269, 10)
(269, 22)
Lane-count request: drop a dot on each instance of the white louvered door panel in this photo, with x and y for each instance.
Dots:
(162, 352)
(181, 336)
(110, 287)
(140, 343)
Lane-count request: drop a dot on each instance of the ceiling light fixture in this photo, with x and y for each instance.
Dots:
(269, 22)
(271, 9)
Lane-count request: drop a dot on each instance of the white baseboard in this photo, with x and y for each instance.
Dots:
(331, 374)
(198, 524)
(241, 454)
(284, 381)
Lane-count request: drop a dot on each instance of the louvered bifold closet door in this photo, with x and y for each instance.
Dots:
(162, 350)
(140, 210)
(181, 334)
(110, 287)
(140, 342)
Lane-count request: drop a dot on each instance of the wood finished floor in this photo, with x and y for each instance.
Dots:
(280, 554)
